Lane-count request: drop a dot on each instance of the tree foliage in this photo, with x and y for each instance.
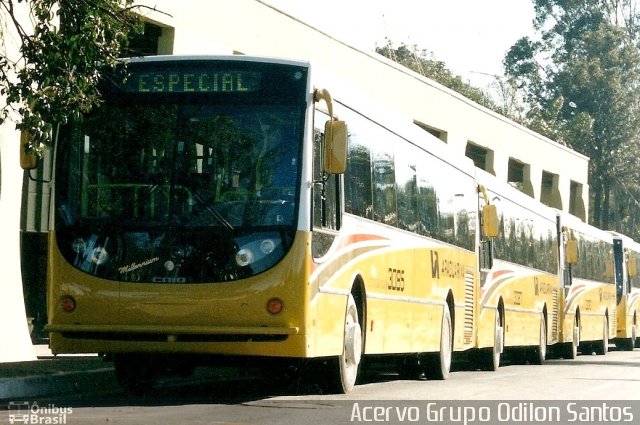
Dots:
(421, 62)
(60, 45)
(580, 79)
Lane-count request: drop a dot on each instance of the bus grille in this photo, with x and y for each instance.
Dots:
(469, 300)
(555, 313)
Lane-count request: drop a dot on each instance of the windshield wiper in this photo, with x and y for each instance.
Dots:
(213, 212)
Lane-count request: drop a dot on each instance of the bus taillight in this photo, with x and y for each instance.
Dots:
(275, 306)
(68, 304)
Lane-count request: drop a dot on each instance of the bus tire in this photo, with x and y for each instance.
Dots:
(490, 356)
(628, 344)
(539, 354)
(571, 348)
(438, 365)
(345, 373)
(602, 347)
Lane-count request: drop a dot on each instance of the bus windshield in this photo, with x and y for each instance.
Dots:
(168, 185)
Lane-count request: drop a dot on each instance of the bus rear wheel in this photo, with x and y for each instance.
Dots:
(571, 348)
(438, 365)
(602, 347)
(488, 358)
(628, 344)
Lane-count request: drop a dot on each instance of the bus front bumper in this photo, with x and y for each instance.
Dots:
(256, 341)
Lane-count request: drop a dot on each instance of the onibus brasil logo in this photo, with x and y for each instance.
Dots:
(23, 412)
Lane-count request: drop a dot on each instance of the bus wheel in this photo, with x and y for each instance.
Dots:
(490, 356)
(134, 373)
(628, 344)
(571, 349)
(346, 372)
(438, 365)
(539, 354)
(602, 347)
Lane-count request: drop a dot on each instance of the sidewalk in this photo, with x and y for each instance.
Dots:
(53, 375)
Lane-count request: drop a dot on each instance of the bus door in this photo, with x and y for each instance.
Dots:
(620, 268)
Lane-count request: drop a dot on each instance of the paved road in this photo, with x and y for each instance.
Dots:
(610, 381)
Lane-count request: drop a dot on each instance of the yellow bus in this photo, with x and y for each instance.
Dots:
(202, 213)
(519, 307)
(589, 311)
(627, 255)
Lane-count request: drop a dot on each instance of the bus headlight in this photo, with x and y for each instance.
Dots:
(267, 246)
(244, 257)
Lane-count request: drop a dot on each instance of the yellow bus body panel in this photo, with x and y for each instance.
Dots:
(628, 310)
(225, 318)
(406, 291)
(592, 300)
(522, 294)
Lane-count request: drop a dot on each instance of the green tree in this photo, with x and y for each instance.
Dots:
(60, 45)
(580, 82)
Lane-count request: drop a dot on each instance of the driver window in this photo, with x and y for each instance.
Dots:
(326, 202)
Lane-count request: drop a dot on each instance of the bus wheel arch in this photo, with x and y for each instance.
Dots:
(452, 313)
(503, 319)
(634, 331)
(359, 294)
(571, 349)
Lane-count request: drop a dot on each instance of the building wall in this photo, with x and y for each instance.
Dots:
(255, 28)
(15, 344)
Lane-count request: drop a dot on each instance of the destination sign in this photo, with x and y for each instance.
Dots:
(194, 81)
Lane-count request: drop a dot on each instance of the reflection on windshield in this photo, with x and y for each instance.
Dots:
(191, 166)
(174, 173)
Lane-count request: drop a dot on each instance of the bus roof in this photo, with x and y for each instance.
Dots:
(238, 58)
(575, 223)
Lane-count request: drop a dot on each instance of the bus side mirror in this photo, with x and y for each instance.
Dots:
(335, 147)
(609, 269)
(632, 269)
(28, 158)
(571, 252)
(490, 223)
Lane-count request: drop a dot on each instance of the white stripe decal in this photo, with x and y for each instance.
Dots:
(522, 310)
(405, 299)
(333, 291)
